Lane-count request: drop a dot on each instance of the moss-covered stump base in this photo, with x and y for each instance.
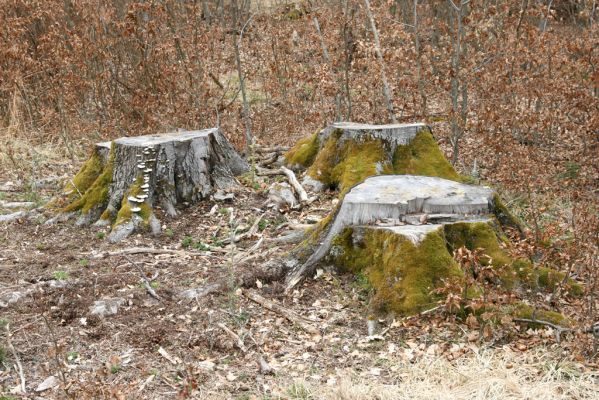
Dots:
(124, 180)
(405, 201)
(404, 264)
(346, 153)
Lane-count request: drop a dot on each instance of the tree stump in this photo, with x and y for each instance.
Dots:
(411, 205)
(124, 180)
(400, 232)
(346, 153)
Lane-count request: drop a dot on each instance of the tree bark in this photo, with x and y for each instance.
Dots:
(123, 180)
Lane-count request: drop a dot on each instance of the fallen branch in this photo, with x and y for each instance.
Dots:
(14, 216)
(249, 233)
(268, 160)
(17, 204)
(236, 337)
(152, 250)
(267, 272)
(275, 149)
(558, 329)
(17, 359)
(299, 189)
(297, 319)
(268, 172)
(145, 281)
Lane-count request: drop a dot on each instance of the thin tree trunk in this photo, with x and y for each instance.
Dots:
(246, 107)
(423, 110)
(386, 89)
(206, 11)
(456, 129)
(327, 59)
(348, 41)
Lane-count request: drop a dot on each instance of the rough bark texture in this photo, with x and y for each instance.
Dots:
(124, 180)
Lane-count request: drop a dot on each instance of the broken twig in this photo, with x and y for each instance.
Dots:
(300, 321)
(17, 359)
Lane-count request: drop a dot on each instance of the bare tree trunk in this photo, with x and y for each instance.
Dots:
(423, 108)
(457, 114)
(327, 59)
(348, 50)
(206, 11)
(323, 45)
(246, 107)
(379, 55)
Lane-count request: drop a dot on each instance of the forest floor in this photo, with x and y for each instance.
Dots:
(211, 348)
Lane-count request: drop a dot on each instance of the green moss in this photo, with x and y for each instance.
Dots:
(505, 217)
(96, 193)
(125, 213)
(325, 160)
(544, 278)
(343, 165)
(87, 174)
(303, 250)
(423, 157)
(474, 236)
(525, 311)
(358, 161)
(304, 152)
(401, 274)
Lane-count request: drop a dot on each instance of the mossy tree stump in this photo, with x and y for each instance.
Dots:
(124, 180)
(400, 232)
(404, 210)
(413, 205)
(345, 153)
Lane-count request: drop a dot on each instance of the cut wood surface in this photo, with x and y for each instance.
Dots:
(403, 199)
(125, 179)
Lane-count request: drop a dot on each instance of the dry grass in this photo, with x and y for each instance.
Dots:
(484, 374)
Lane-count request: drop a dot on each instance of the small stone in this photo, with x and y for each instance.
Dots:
(48, 383)
(105, 307)
(219, 195)
(282, 195)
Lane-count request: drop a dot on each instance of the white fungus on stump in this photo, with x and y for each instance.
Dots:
(124, 180)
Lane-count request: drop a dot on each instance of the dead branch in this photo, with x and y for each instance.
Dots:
(14, 216)
(235, 337)
(268, 172)
(299, 189)
(152, 250)
(145, 280)
(558, 329)
(17, 359)
(275, 149)
(249, 233)
(268, 160)
(290, 315)
(17, 204)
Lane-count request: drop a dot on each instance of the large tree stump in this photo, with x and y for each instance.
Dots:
(408, 203)
(125, 179)
(400, 231)
(401, 200)
(346, 153)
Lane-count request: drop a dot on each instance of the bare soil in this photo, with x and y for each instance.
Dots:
(176, 348)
